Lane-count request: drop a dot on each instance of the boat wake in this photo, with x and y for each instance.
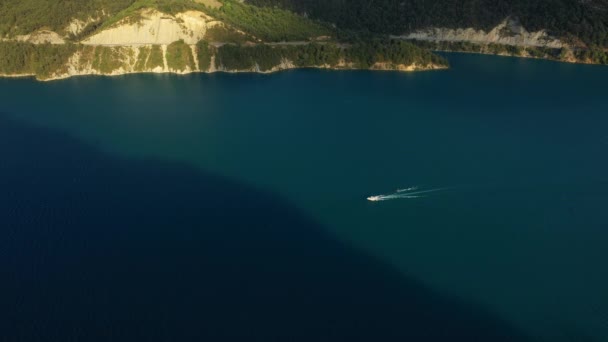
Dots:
(408, 193)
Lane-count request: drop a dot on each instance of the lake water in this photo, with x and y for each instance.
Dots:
(233, 207)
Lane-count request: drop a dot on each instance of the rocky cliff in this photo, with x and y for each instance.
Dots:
(154, 27)
(509, 32)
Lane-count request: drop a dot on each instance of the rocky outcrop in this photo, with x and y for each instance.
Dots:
(40, 37)
(509, 32)
(404, 67)
(76, 26)
(155, 28)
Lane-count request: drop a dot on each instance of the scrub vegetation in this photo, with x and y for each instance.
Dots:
(363, 55)
(204, 53)
(179, 56)
(156, 58)
(26, 16)
(224, 34)
(149, 58)
(107, 59)
(268, 23)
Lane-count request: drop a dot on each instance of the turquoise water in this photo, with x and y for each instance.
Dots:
(511, 246)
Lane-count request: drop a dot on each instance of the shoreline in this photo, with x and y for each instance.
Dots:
(519, 56)
(562, 55)
(398, 68)
(17, 75)
(379, 67)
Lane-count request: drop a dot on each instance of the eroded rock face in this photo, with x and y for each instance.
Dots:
(156, 28)
(76, 26)
(509, 32)
(41, 37)
(119, 60)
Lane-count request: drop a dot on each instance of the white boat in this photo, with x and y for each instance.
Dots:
(374, 198)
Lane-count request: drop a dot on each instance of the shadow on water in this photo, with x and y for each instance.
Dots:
(95, 248)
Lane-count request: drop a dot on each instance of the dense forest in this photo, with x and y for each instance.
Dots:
(269, 24)
(24, 58)
(179, 56)
(585, 21)
(26, 16)
(366, 54)
(361, 55)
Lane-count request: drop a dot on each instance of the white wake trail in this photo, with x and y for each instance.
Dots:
(404, 193)
(426, 191)
(407, 196)
(408, 189)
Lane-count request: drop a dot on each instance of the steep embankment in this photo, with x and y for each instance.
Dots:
(154, 27)
(509, 32)
(509, 38)
(177, 57)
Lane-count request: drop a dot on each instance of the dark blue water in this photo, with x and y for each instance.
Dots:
(233, 207)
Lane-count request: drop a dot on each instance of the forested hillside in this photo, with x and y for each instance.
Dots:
(60, 38)
(25, 16)
(127, 36)
(19, 17)
(582, 20)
